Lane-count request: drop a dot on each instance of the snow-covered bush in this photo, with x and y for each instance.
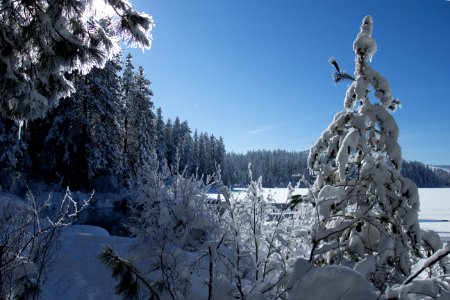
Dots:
(29, 233)
(171, 222)
(366, 212)
(260, 243)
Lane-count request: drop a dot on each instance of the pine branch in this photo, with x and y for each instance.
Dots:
(338, 75)
(129, 277)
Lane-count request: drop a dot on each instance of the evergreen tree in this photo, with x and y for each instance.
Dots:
(145, 129)
(139, 142)
(12, 155)
(43, 42)
(185, 147)
(170, 143)
(79, 142)
(211, 154)
(203, 154)
(195, 152)
(278, 167)
(220, 152)
(128, 88)
(103, 118)
(161, 142)
(366, 211)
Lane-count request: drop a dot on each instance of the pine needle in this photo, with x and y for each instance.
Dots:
(129, 277)
(338, 75)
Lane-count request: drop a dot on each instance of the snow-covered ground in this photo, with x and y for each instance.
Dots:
(435, 211)
(434, 207)
(78, 274)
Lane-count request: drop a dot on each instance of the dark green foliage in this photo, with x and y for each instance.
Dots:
(12, 155)
(25, 289)
(338, 75)
(130, 279)
(426, 176)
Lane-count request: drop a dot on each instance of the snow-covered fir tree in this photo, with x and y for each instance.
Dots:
(185, 148)
(79, 142)
(160, 139)
(366, 212)
(170, 143)
(127, 86)
(43, 42)
(146, 160)
(139, 139)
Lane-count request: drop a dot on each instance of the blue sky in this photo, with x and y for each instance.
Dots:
(256, 72)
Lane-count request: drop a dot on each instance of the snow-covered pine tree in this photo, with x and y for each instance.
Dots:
(139, 139)
(185, 148)
(128, 87)
(43, 42)
(104, 114)
(143, 122)
(203, 153)
(79, 141)
(170, 143)
(195, 149)
(366, 211)
(220, 151)
(160, 138)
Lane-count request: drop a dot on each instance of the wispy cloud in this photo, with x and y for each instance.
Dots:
(259, 130)
(197, 104)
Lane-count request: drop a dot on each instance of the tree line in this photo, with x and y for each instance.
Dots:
(278, 168)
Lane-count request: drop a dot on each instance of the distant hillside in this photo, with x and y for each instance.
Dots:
(446, 168)
(277, 168)
(425, 175)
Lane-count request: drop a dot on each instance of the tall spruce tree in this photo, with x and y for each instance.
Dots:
(127, 86)
(185, 147)
(143, 121)
(79, 141)
(139, 140)
(170, 143)
(366, 211)
(160, 142)
(103, 118)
